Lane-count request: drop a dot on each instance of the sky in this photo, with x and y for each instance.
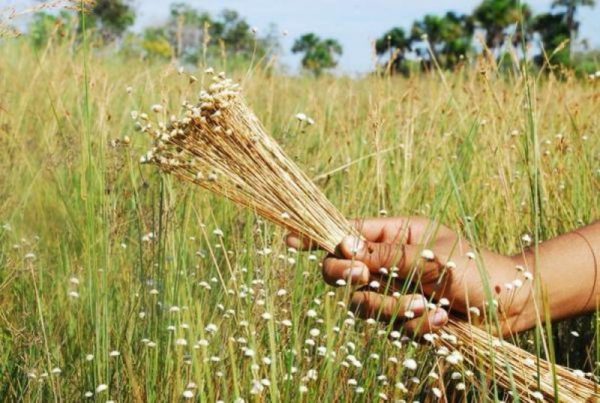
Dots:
(354, 23)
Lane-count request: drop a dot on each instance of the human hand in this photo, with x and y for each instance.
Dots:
(407, 263)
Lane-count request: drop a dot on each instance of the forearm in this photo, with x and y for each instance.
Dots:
(567, 267)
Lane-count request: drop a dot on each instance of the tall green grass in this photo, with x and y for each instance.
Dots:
(99, 254)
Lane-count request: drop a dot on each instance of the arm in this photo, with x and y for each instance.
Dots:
(566, 265)
(568, 271)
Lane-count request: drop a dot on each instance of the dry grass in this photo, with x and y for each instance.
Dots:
(220, 145)
(100, 255)
(9, 15)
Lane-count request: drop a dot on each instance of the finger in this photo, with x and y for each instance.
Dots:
(368, 304)
(371, 228)
(300, 242)
(385, 229)
(433, 321)
(402, 256)
(354, 272)
(401, 229)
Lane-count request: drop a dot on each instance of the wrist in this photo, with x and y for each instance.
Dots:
(555, 293)
(522, 313)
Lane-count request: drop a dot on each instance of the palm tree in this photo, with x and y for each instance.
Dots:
(495, 16)
(395, 43)
(570, 11)
(553, 32)
(449, 37)
(319, 54)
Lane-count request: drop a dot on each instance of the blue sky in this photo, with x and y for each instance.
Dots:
(355, 23)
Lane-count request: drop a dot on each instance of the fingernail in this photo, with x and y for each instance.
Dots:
(355, 274)
(440, 317)
(353, 244)
(417, 305)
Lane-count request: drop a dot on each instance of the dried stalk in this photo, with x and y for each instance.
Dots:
(9, 14)
(221, 146)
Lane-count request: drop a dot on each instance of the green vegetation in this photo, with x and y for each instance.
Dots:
(188, 35)
(502, 27)
(319, 54)
(191, 36)
(120, 282)
(558, 29)
(45, 27)
(110, 18)
(496, 29)
(448, 38)
(496, 16)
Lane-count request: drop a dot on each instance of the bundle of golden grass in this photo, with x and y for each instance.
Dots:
(220, 145)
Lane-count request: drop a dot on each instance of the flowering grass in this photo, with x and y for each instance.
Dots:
(121, 283)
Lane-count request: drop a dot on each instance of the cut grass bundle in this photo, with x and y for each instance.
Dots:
(220, 145)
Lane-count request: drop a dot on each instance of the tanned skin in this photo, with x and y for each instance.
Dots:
(443, 266)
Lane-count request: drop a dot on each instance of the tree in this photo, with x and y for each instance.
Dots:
(395, 43)
(449, 37)
(187, 31)
(111, 18)
(194, 35)
(155, 43)
(319, 54)
(235, 32)
(558, 29)
(570, 7)
(496, 16)
(553, 32)
(45, 26)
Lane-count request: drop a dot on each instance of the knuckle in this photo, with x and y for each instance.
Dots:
(411, 326)
(356, 303)
(384, 253)
(368, 304)
(393, 308)
(328, 272)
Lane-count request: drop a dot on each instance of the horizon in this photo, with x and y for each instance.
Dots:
(362, 22)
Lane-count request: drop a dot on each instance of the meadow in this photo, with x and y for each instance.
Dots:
(119, 283)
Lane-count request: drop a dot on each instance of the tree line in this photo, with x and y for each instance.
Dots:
(499, 28)
(502, 29)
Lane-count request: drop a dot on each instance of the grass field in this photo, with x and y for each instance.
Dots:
(119, 282)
